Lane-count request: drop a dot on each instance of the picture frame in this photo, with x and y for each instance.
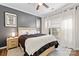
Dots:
(10, 19)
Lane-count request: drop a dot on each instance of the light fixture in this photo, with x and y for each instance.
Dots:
(40, 4)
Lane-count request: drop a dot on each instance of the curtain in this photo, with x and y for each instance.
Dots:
(63, 22)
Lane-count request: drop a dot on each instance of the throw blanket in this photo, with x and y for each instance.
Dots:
(35, 44)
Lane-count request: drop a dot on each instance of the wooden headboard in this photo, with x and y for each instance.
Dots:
(24, 30)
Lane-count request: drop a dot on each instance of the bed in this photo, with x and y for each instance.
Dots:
(37, 44)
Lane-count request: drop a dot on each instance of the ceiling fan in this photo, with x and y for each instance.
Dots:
(41, 4)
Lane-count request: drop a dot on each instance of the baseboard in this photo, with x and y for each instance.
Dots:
(76, 48)
(3, 47)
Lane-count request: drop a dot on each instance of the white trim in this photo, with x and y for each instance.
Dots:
(3, 47)
(63, 9)
(20, 10)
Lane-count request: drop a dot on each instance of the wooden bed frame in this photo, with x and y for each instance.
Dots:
(47, 52)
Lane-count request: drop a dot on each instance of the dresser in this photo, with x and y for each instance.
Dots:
(12, 42)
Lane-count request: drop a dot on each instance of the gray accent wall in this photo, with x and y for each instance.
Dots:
(24, 19)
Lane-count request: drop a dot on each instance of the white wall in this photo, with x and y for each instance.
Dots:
(77, 29)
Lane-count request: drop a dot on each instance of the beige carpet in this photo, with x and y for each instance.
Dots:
(58, 52)
(61, 52)
(15, 52)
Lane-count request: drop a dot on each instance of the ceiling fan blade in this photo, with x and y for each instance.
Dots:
(37, 7)
(45, 5)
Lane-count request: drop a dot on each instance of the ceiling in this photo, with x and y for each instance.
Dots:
(31, 8)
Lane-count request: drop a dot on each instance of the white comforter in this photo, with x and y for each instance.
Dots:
(34, 44)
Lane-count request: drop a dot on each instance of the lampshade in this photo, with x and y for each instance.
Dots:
(13, 34)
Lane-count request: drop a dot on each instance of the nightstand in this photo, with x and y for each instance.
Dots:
(12, 42)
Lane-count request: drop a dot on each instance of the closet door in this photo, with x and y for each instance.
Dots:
(67, 28)
(67, 31)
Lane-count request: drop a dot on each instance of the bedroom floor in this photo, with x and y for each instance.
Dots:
(58, 52)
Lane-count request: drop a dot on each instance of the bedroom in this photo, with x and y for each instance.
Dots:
(50, 29)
